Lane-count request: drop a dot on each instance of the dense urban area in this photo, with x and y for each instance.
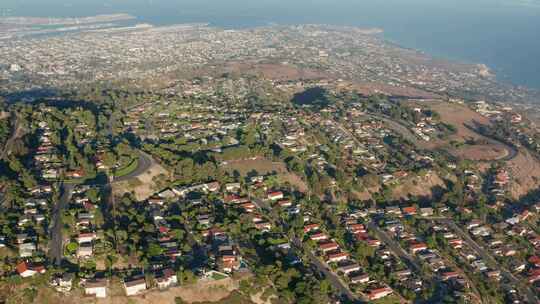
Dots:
(281, 164)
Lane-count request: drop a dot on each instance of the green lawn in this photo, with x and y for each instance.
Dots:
(218, 276)
(127, 169)
(391, 299)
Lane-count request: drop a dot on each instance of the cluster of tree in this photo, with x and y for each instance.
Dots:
(316, 97)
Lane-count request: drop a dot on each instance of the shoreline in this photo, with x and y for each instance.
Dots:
(486, 70)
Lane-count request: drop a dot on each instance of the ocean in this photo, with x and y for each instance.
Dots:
(503, 34)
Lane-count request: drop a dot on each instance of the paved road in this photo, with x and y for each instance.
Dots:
(512, 150)
(395, 247)
(399, 128)
(531, 296)
(145, 160)
(144, 163)
(16, 132)
(56, 246)
(409, 135)
(336, 282)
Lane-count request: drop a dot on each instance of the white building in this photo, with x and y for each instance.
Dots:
(97, 288)
(134, 287)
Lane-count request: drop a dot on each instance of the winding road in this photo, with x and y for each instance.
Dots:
(144, 163)
(512, 150)
(410, 136)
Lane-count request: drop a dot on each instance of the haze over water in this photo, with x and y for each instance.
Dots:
(504, 34)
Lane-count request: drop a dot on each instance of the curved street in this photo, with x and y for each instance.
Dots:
(144, 163)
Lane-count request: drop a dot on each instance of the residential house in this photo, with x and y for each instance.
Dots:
(445, 276)
(327, 247)
(284, 203)
(85, 250)
(134, 286)
(418, 247)
(96, 287)
(337, 257)
(26, 249)
(25, 269)
(86, 237)
(318, 237)
(311, 227)
(360, 279)
(274, 196)
(426, 212)
(409, 211)
(347, 269)
(166, 278)
(378, 293)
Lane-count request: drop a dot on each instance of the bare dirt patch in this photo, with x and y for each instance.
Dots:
(264, 166)
(274, 71)
(258, 299)
(210, 291)
(296, 181)
(259, 164)
(525, 172)
(372, 88)
(143, 185)
(480, 152)
(418, 186)
(362, 196)
(478, 147)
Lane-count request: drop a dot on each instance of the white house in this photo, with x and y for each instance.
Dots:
(166, 279)
(274, 196)
(85, 250)
(24, 270)
(134, 287)
(97, 288)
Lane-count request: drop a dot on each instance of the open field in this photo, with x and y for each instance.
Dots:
(525, 170)
(477, 147)
(524, 167)
(418, 186)
(480, 152)
(203, 292)
(260, 165)
(142, 185)
(265, 166)
(278, 72)
(372, 88)
(209, 291)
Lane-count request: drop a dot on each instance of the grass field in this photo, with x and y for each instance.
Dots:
(218, 276)
(127, 169)
(391, 299)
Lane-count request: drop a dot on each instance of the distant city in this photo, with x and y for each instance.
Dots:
(295, 163)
